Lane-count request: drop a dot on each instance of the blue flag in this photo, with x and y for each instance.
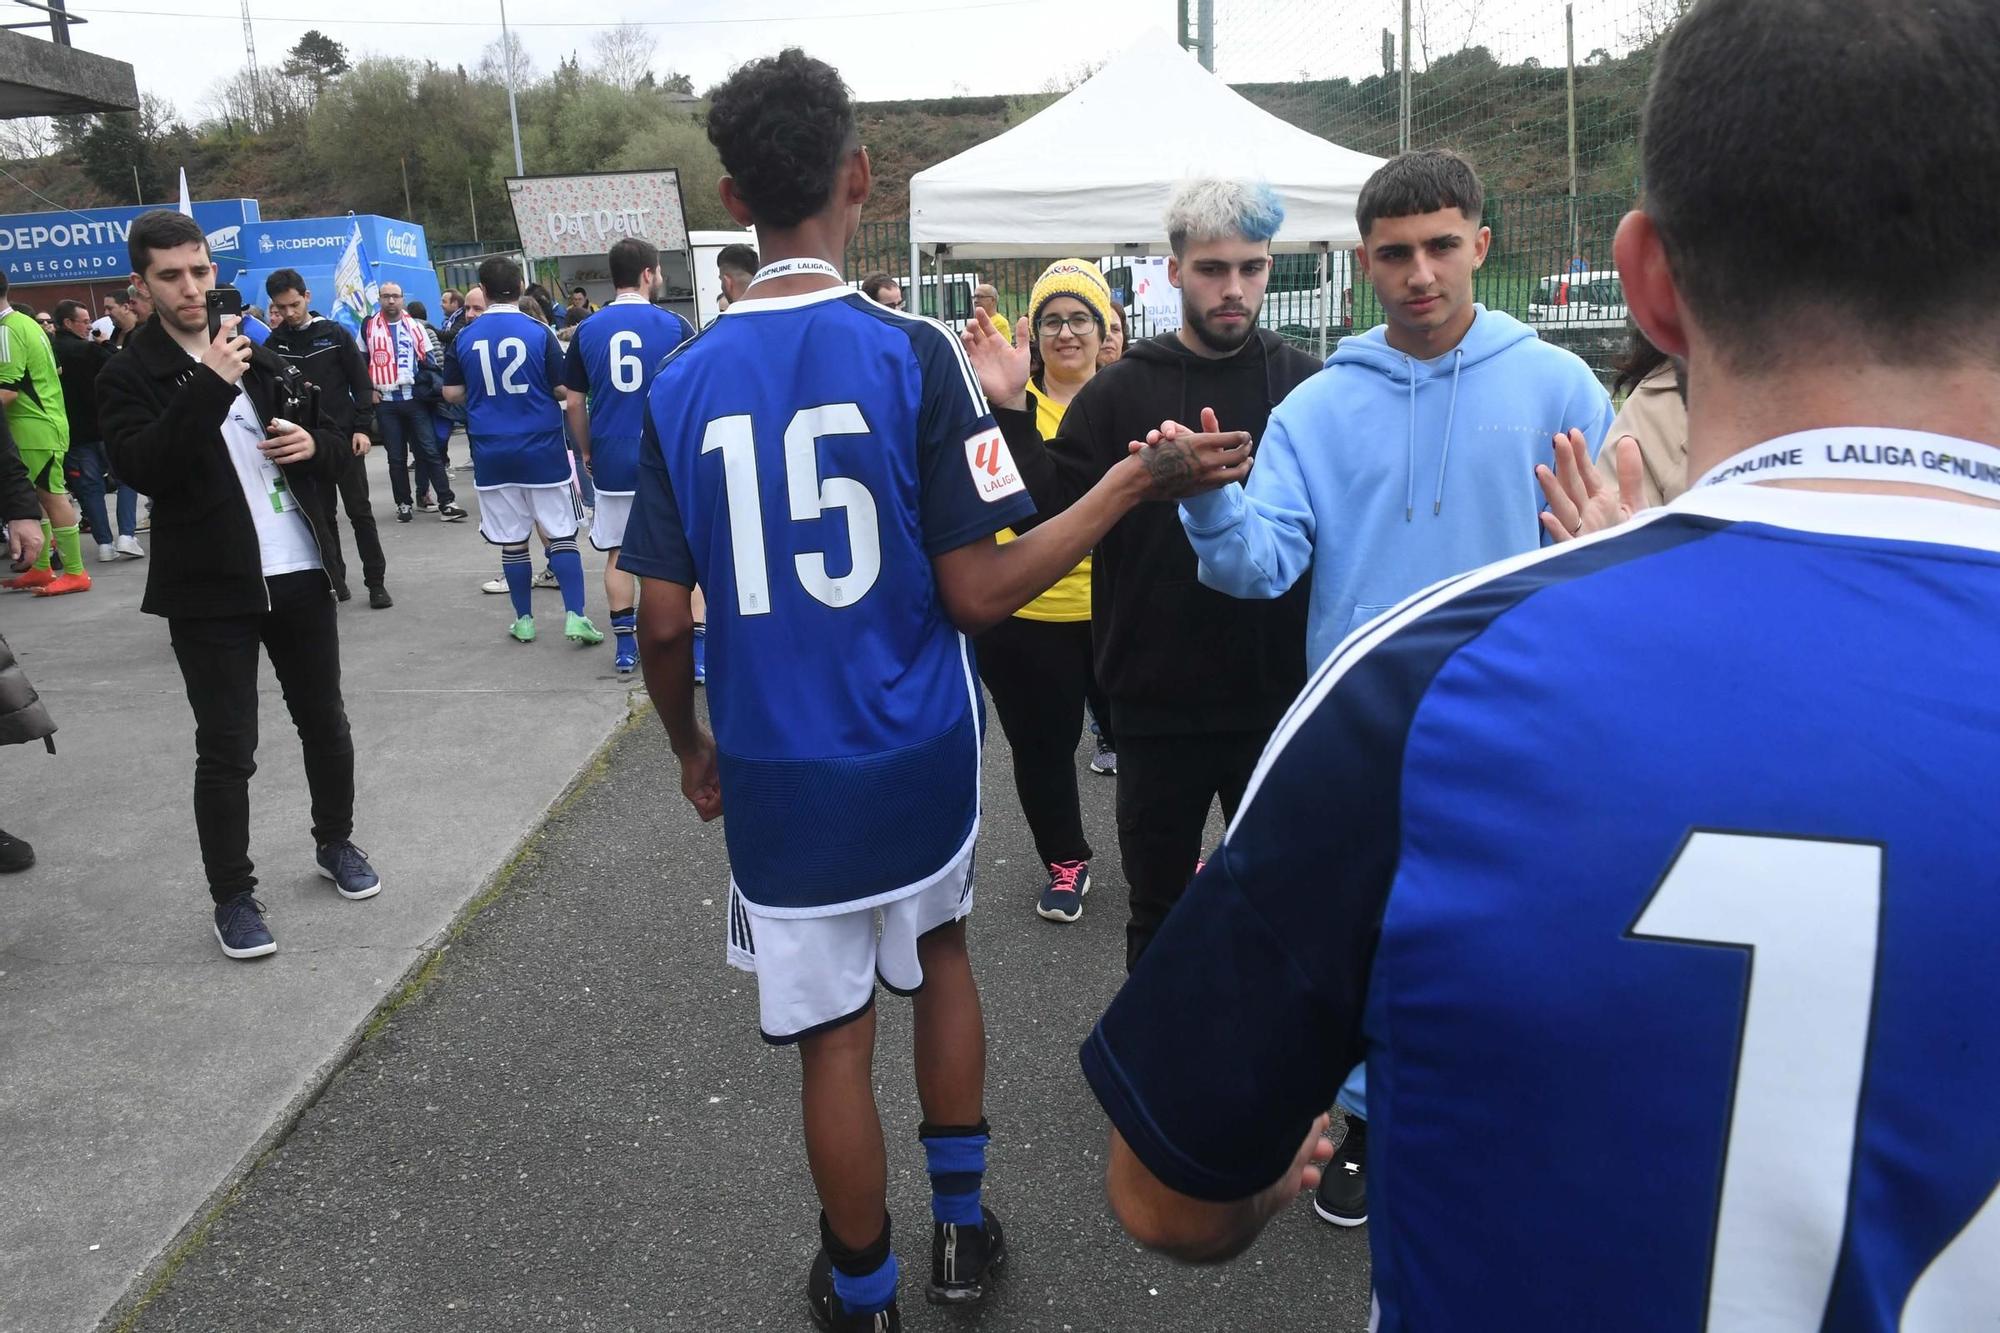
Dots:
(354, 286)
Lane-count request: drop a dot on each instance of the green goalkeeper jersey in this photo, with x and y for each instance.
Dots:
(28, 366)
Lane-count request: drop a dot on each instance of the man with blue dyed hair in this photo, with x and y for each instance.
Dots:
(1196, 678)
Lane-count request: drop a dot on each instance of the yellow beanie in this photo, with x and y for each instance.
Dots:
(1077, 278)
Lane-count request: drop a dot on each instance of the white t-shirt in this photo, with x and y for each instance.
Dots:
(282, 532)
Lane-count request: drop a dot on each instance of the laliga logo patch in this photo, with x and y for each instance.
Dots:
(992, 466)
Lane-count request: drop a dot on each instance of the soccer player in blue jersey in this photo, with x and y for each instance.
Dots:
(1654, 873)
(508, 371)
(613, 357)
(828, 470)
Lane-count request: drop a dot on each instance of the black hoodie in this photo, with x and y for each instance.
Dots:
(1175, 657)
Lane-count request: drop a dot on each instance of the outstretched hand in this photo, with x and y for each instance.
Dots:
(1580, 502)
(1002, 367)
(1180, 461)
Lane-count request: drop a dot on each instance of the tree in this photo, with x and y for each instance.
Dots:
(125, 142)
(678, 83)
(501, 56)
(625, 55)
(316, 58)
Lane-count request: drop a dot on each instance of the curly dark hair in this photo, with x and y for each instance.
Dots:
(781, 125)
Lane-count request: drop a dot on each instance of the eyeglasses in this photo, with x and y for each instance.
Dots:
(1078, 324)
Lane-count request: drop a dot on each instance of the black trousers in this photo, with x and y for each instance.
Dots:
(352, 489)
(1039, 674)
(1165, 784)
(218, 659)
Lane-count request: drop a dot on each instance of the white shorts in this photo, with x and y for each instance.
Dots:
(508, 515)
(818, 972)
(607, 521)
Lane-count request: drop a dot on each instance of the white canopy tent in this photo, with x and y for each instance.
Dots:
(1093, 173)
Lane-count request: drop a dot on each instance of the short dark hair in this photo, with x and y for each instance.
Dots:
(1410, 184)
(453, 293)
(66, 310)
(3, 282)
(501, 277)
(160, 229)
(781, 126)
(1807, 198)
(872, 285)
(418, 311)
(286, 280)
(738, 258)
(629, 258)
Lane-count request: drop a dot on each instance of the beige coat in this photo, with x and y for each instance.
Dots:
(1656, 417)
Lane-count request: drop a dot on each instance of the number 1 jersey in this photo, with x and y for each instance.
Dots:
(803, 459)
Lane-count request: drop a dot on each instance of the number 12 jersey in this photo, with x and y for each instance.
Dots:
(803, 460)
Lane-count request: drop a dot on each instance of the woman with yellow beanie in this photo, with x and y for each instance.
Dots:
(1037, 663)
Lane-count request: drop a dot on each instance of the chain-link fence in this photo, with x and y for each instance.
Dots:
(1543, 97)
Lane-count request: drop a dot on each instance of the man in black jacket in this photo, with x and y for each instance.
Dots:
(206, 427)
(1197, 680)
(329, 358)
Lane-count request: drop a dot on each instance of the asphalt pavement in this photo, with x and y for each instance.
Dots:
(572, 1123)
(141, 1072)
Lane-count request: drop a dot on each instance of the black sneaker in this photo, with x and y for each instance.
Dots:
(240, 928)
(405, 514)
(1105, 762)
(340, 591)
(347, 866)
(1342, 1197)
(379, 598)
(426, 505)
(15, 855)
(1062, 900)
(965, 1260)
(829, 1314)
(451, 513)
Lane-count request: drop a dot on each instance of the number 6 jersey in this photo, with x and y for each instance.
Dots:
(1658, 879)
(804, 458)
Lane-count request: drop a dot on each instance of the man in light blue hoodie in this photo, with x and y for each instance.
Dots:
(1408, 460)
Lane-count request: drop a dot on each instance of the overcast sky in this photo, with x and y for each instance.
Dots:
(886, 49)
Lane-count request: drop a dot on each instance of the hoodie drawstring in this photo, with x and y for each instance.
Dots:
(1410, 439)
(1451, 410)
(1410, 448)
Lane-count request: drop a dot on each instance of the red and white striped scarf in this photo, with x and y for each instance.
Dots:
(385, 371)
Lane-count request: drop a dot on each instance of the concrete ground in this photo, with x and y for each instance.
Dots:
(140, 1070)
(575, 1126)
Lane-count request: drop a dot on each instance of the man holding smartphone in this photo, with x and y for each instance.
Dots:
(208, 426)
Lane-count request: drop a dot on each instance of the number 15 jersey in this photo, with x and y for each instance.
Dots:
(803, 459)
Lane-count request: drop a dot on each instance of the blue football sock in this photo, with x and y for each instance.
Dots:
(956, 1159)
(865, 1280)
(519, 571)
(567, 564)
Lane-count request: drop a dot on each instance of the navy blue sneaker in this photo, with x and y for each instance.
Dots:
(240, 928)
(347, 866)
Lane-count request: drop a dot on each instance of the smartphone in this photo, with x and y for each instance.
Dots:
(222, 301)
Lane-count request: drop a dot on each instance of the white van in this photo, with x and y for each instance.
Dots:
(1589, 299)
(707, 284)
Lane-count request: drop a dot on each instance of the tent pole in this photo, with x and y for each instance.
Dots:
(1327, 301)
(917, 275)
